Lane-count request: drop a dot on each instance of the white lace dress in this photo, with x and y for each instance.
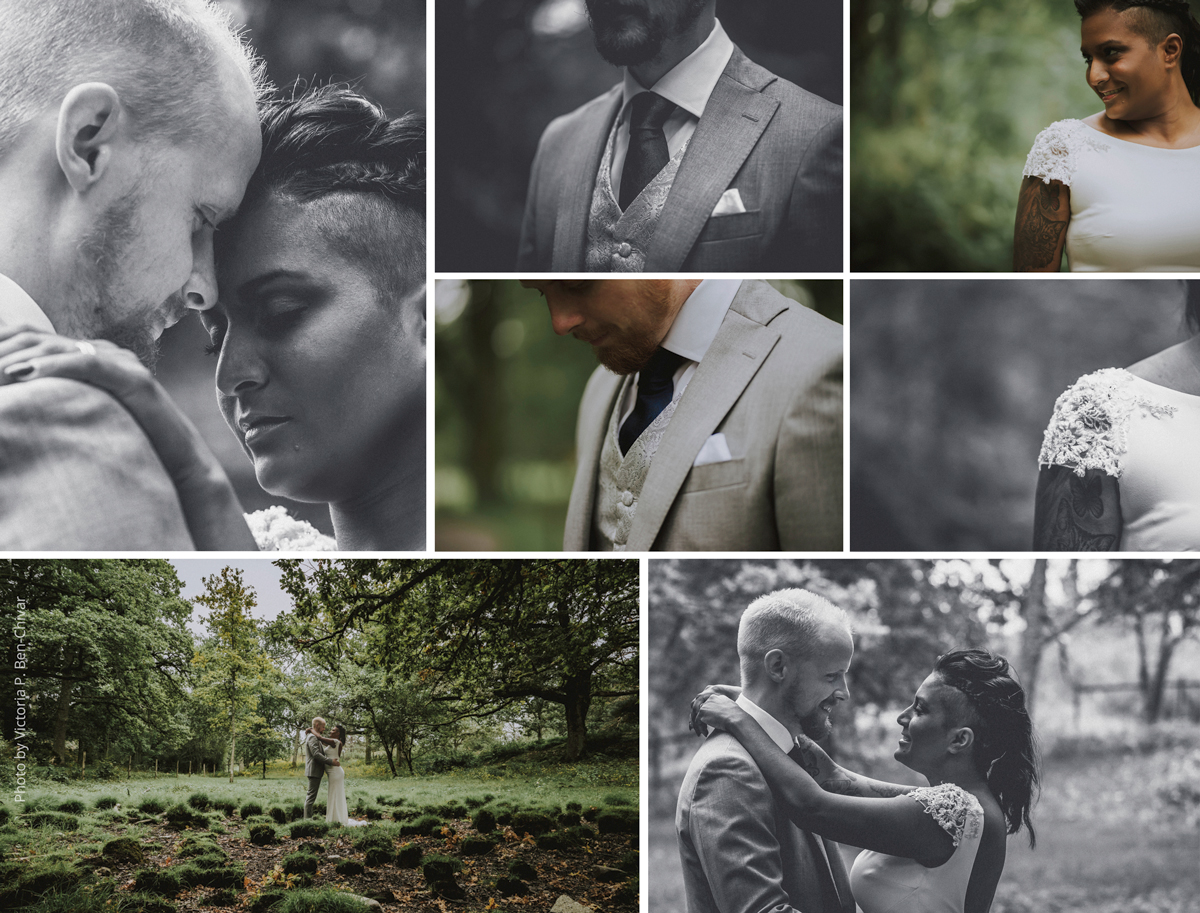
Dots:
(1145, 436)
(1133, 207)
(335, 801)
(275, 530)
(890, 884)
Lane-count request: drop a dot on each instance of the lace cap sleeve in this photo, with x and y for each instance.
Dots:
(1055, 152)
(275, 530)
(954, 810)
(1090, 422)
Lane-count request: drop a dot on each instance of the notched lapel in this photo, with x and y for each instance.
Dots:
(734, 119)
(579, 183)
(739, 350)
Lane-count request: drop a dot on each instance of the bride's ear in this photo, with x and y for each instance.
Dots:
(961, 740)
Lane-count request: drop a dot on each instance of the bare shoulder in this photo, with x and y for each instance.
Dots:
(1173, 367)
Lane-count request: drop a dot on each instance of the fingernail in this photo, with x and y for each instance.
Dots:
(18, 371)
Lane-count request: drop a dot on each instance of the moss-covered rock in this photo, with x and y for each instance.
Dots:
(180, 817)
(312, 827)
(519, 868)
(199, 801)
(532, 823)
(484, 821)
(423, 826)
(617, 821)
(163, 882)
(57, 820)
(300, 863)
(349, 868)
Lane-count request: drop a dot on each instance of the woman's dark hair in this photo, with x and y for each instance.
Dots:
(1156, 20)
(1005, 748)
(339, 733)
(330, 140)
(1192, 304)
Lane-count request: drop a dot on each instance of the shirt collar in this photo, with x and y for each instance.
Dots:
(700, 318)
(691, 81)
(16, 307)
(776, 730)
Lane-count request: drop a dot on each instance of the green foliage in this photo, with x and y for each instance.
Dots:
(618, 821)
(521, 868)
(269, 900)
(557, 841)
(581, 832)
(616, 799)
(199, 801)
(349, 868)
(325, 900)
(279, 814)
(531, 823)
(263, 835)
(630, 862)
(476, 846)
(152, 806)
(56, 820)
(72, 807)
(163, 882)
(311, 827)
(180, 817)
(104, 802)
(298, 863)
(368, 838)
(216, 874)
(484, 821)
(124, 851)
(422, 827)
(409, 856)
(101, 897)
(377, 856)
(198, 846)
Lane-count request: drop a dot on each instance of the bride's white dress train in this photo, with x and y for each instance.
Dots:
(335, 804)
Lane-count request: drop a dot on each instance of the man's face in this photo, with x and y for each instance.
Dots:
(629, 32)
(623, 320)
(319, 727)
(814, 685)
(148, 257)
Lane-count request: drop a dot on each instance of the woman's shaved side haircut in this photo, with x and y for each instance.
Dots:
(159, 55)
(787, 620)
(364, 172)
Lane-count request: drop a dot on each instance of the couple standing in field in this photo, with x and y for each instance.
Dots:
(317, 762)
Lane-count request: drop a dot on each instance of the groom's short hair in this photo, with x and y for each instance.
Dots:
(788, 620)
(317, 719)
(159, 55)
(333, 145)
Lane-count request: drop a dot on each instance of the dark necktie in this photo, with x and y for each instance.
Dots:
(647, 144)
(656, 385)
(838, 883)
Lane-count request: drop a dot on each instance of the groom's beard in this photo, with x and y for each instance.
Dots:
(627, 33)
(816, 725)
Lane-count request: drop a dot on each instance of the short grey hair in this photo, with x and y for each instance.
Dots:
(159, 55)
(788, 620)
(317, 719)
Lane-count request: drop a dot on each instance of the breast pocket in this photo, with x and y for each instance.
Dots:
(713, 476)
(732, 227)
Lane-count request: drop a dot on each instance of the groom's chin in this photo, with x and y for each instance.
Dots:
(816, 728)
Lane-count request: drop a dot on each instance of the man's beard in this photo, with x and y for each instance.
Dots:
(816, 724)
(96, 283)
(633, 351)
(630, 35)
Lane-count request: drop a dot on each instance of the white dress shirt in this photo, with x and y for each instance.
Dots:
(772, 727)
(695, 327)
(16, 307)
(688, 84)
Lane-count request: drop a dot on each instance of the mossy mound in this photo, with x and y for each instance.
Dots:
(409, 856)
(199, 846)
(222, 875)
(377, 856)
(349, 868)
(557, 842)
(484, 821)
(440, 868)
(105, 802)
(325, 900)
(279, 815)
(57, 820)
(532, 823)
(630, 862)
(123, 851)
(300, 863)
(163, 882)
(222, 898)
(312, 827)
(151, 806)
(26, 882)
(199, 801)
(72, 807)
(422, 827)
(475, 846)
(508, 886)
(519, 868)
(180, 817)
(617, 821)
(263, 834)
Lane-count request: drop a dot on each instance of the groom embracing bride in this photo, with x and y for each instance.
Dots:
(316, 762)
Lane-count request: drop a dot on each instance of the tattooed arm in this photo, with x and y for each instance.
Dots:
(1073, 514)
(1043, 213)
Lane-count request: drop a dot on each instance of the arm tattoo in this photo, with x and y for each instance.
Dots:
(807, 759)
(1069, 536)
(886, 791)
(843, 787)
(1042, 220)
(1076, 514)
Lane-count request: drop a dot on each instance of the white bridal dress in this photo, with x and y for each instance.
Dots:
(335, 802)
(889, 884)
(1133, 207)
(1146, 437)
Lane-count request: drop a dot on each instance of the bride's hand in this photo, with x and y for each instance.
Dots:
(718, 712)
(214, 516)
(733, 692)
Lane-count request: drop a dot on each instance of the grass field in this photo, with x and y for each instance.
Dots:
(1116, 834)
(566, 828)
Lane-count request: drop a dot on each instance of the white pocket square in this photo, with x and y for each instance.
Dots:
(715, 450)
(729, 204)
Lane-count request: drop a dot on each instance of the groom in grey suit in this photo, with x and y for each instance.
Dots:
(315, 763)
(714, 423)
(700, 161)
(740, 853)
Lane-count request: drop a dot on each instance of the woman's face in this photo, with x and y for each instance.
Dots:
(1128, 73)
(927, 725)
(319, 376)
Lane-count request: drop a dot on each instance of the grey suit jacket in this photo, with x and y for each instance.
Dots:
(771, 382)
(779, 145)
(315, 759)
(77, 473)
(740, 853)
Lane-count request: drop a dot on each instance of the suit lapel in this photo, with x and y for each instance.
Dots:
(579, 183)
(593, 426)
(734, 119)
(739, 350)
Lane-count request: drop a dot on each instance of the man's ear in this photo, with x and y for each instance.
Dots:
(89, 119)
(775, 664)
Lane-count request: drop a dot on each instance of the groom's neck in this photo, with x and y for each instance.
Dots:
(772, 702)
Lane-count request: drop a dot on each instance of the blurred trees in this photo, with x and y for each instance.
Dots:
(507, 394)
(948, 96)
(506, 68)
(952, 384)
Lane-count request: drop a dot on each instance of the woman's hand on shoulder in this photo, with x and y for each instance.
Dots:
(27, 354)
(718, 712)
(1043, 214)
(732, 692)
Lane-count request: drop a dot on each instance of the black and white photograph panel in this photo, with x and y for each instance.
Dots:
(639, 135)
(901, 736)
(683, 415)
(191, 178)
(1010, 415)
(397, 736)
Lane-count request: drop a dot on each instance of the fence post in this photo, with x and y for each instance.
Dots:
(156, 768)
(82, 765)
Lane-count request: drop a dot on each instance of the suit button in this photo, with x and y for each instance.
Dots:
(627, 498)
(624, 250)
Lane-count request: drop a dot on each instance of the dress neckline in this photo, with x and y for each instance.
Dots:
(1130, 142)
(1191, 396)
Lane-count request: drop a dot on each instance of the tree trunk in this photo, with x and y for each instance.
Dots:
(1033, 610)
(578, 701)
(62, 709)
(367, 744)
